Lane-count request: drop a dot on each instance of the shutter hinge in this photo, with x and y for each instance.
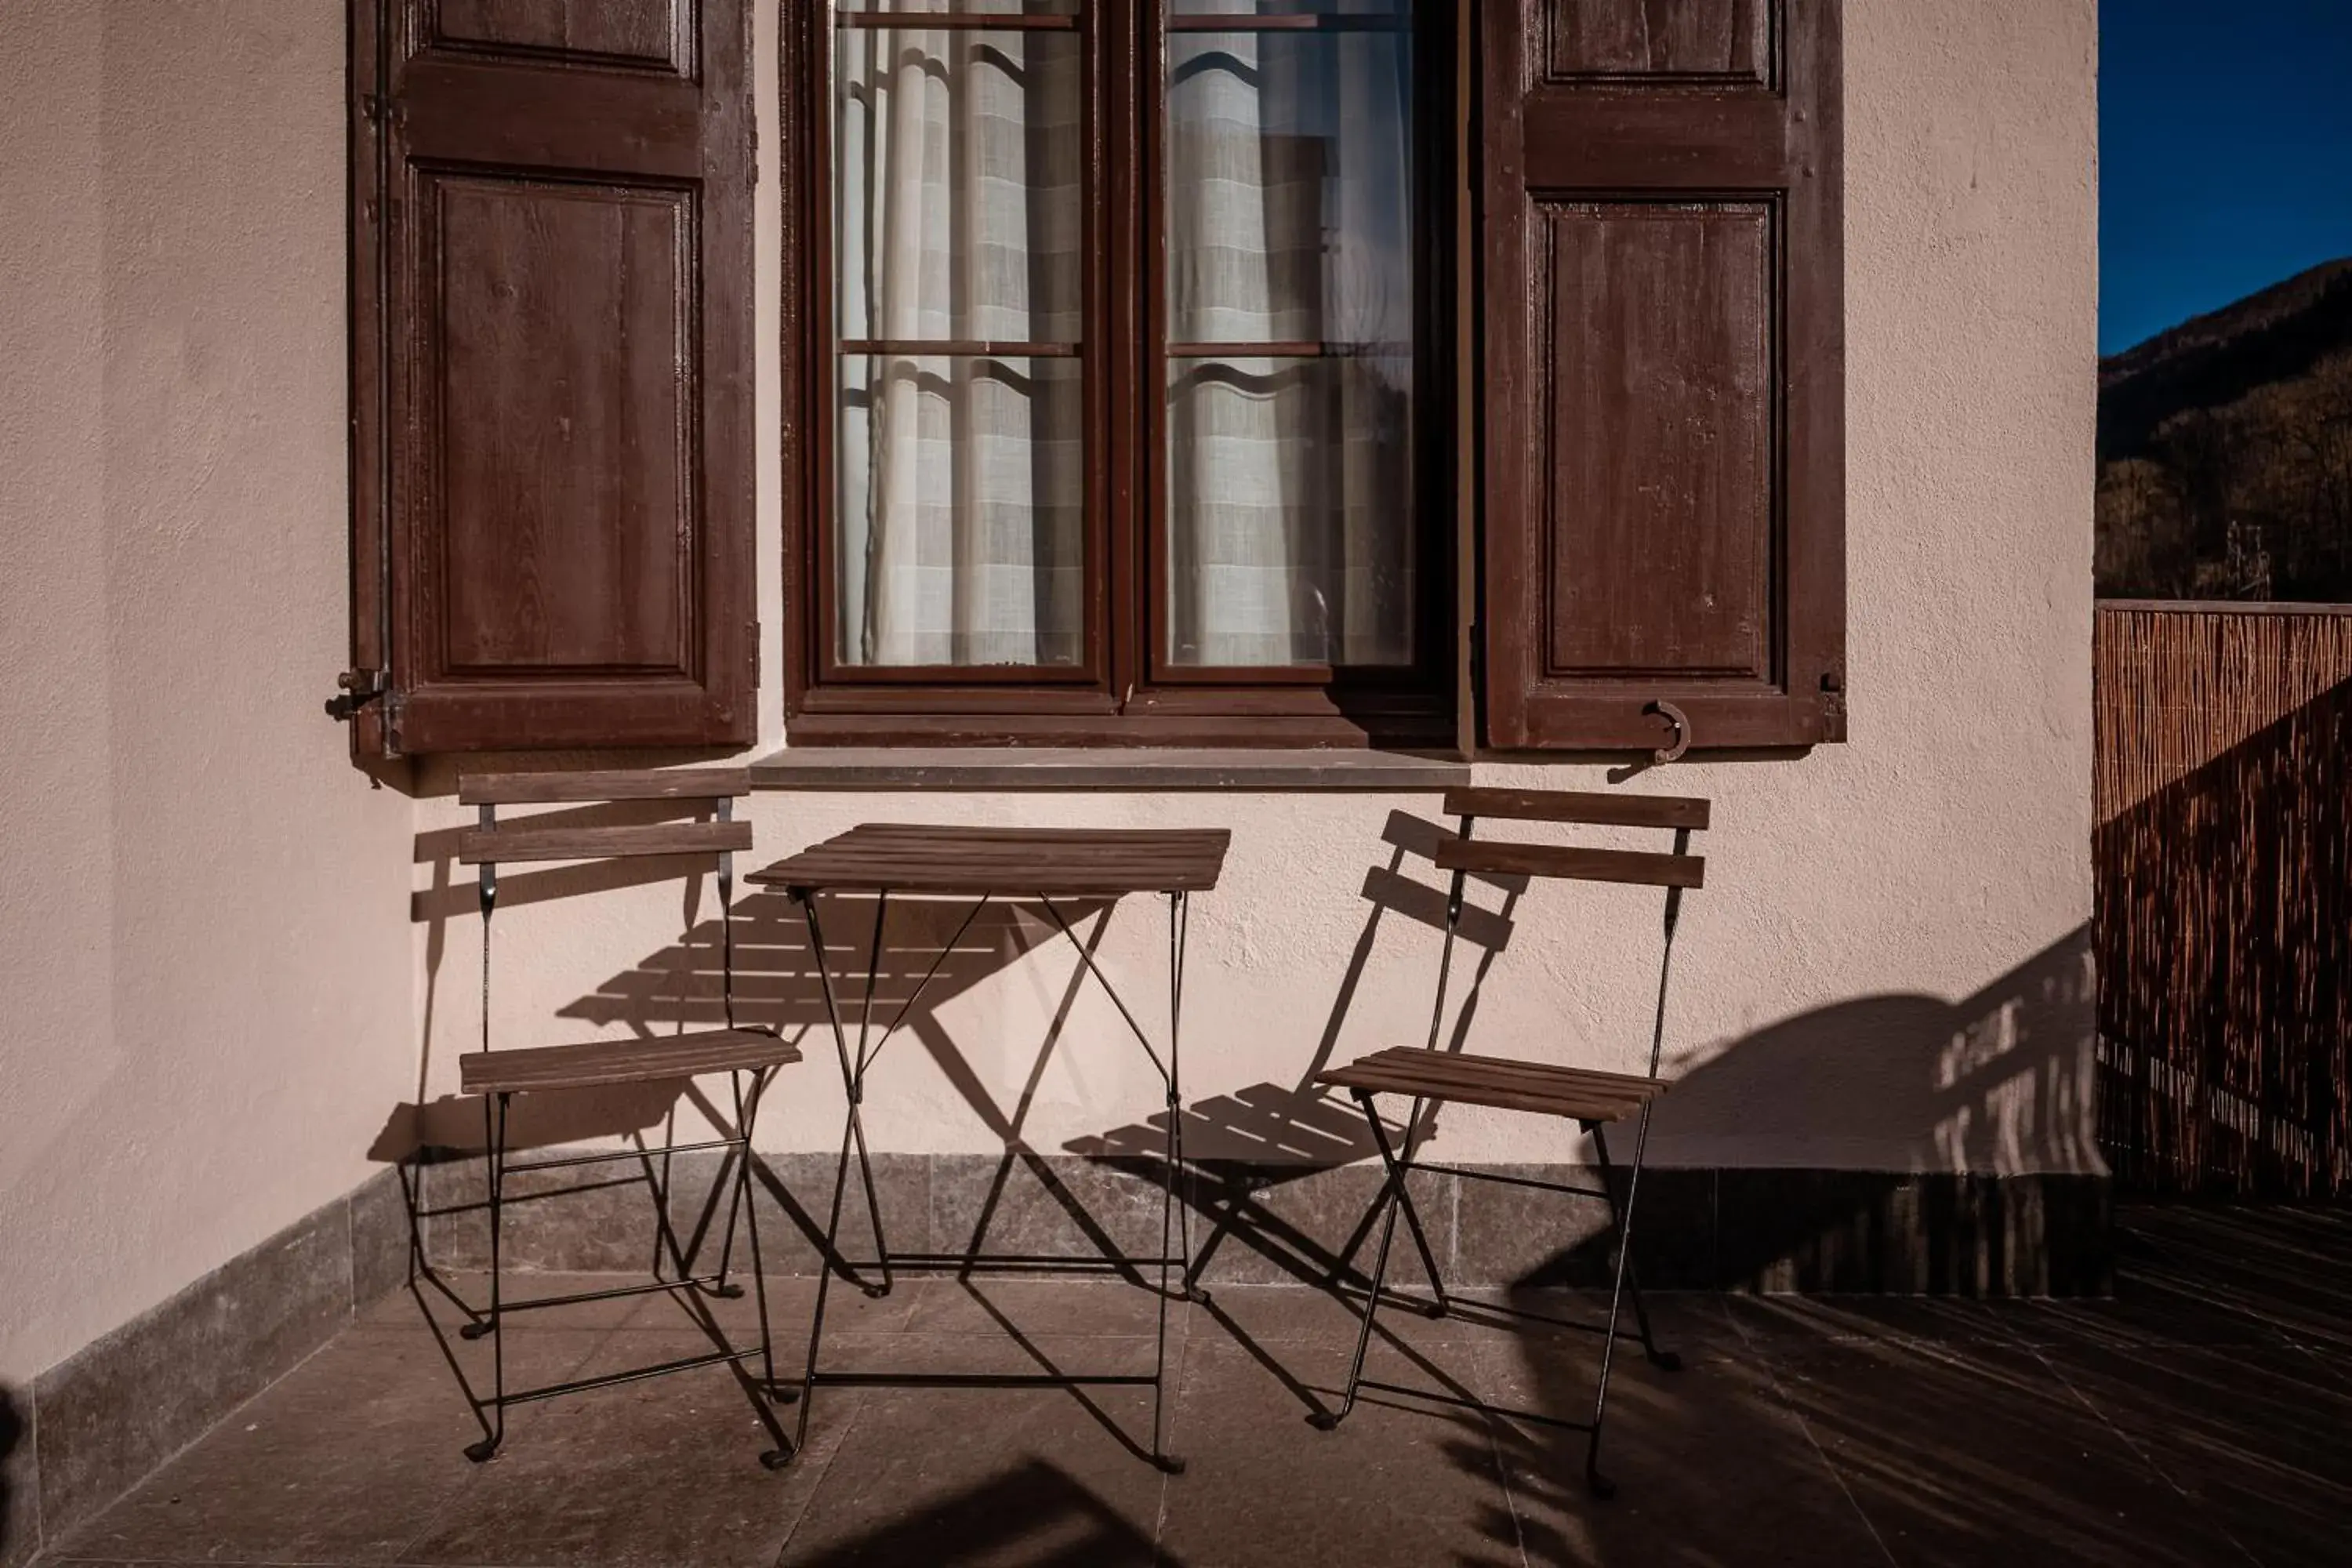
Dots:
(372, 106)
(1833, 702)
(358, 686)
(752, 652)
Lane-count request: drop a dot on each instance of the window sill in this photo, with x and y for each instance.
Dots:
(997, 768)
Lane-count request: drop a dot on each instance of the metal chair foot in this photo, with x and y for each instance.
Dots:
(1603, 1489)
(874, 1292)
(782, 1393)
(1436, 1309)
(1324, 1421)
(1167, 1464)
(1665, 1361)
(480, 1452)
(776, 1458)
(474, 1330)
(728, 1293)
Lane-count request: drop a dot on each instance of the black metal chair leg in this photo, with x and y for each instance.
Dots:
(1600, 1486)
(1665, 1361)
(494, 1430)
(720, 1286)
(1330, 1420)
(747, 1203)
(823, 1281)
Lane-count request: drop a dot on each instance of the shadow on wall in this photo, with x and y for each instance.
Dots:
(1871, 1096)
(926, 947)
(1876, 1097)
(2225, 908)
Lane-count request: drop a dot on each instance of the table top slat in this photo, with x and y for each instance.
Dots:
(1014, 861)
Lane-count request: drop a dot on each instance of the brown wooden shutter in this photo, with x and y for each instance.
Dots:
(1662, 340)
(552, 373)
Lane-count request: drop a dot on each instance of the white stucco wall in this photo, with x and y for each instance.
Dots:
(214, 1008)
(206, 961)
(1886, 970)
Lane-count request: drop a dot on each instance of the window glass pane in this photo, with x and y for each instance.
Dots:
(1290, 511)
(1289, 224)
(958, 525)
(959, 166)
(968, 8)
(1387, 11)
(960, 511)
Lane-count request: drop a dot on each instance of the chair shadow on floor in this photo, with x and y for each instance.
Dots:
(1037, 1512)
(1248, 1149)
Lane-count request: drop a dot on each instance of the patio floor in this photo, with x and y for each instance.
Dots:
(2203, 1417)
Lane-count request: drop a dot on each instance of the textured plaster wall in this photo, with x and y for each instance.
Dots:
(1886, 971)
(207, 982)
(212, 1013)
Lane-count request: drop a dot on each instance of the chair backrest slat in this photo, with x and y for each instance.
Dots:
(1573, 864)
(545, 789)
(1570, 805)
(524, 842)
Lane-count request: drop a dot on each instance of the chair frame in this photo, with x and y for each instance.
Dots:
(716, 788)
(1683, 816)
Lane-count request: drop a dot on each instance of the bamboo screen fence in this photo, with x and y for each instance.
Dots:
(2224, 895)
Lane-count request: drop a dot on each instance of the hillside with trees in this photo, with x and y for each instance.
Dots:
(2225, 451)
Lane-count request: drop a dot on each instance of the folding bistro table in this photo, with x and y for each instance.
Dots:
(996, 864)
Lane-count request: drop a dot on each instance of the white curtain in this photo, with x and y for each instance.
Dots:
(1290, 481)
(1290, 219)
(960, 478)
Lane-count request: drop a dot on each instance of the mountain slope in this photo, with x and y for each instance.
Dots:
(2215, 359)
(2225, 451)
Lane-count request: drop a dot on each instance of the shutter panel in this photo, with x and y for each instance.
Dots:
(552, 373)
(1663, 330)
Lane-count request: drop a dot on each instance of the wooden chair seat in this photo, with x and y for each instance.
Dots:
(1497, 1081)
(622, 1061)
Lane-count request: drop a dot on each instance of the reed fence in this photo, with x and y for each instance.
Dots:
(2223, 855)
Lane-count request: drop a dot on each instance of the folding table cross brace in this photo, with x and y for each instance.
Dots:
(996, 864)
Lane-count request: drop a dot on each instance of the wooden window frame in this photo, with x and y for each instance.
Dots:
(1122, 692)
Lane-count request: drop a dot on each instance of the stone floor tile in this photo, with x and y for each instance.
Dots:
(1978, 1455)
(343, 1461)
(2246, 1431)
(401, 1309)
(1848, 1319)
(998, 1476)
(661, 1473)
(1292, 1314)
(1399, 1483)
(995, 1306)
(1710, 1464)
(791, 1301)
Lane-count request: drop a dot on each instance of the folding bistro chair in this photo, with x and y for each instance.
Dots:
(747, 1054)
(1592, 1099)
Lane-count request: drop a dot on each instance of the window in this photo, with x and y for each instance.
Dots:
(1129, 329)
(1151, 372)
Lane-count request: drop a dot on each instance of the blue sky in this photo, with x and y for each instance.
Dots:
(2225, 152)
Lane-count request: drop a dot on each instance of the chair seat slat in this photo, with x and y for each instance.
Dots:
(1503, 1083)
(604, 1062)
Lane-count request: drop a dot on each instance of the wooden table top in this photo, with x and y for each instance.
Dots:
(916, 858)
